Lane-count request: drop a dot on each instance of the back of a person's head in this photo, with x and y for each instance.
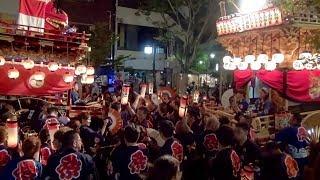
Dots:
(83, 116)
(58, 135)
(165, 168)
(52, 110)
(131, 134)
(224, 120)
(297, 117)
(212, 123)
(143, 109)
(116, 106)
(3, 134)
(225, 135)
(166, 128)
(30, 146)
(69, 138)
(182, 127)
(44, 135)
(244, 126)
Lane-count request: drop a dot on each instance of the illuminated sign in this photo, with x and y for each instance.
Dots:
(243, 22)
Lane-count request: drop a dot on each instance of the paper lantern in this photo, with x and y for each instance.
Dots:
(237, 61)
(87, 79)
(243, 66)
(68, 78)
(12, 129)
(232, 66)
(227, 59)
(278, 58)
(28, 64)
(53, 127)
(310, 66)
(305, 55)
(125, 94)
(13, 73)
(263, 58)
(143, 90)
(39, 76)
(255, 66)
(90, 71)
(150, 88)
(53, 66)
(2, 61)
(196, 96)
(226, 66)
(183, 106)
(250, 58)
(270, 66)
(298, 65)
(81, 69)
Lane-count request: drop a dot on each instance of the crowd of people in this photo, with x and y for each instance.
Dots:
(155, 143)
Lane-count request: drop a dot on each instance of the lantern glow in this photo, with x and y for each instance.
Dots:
(143, 90)
(278, 58)
(243, 66)
(249, 58)
(90, 71)
(2, 61)
(28, 64)
(53, 66)
(125, 95)
(39, 76)
(227, 59)
(298, 65)
(81, 69)
(183, 106)
(12, 129)
(68, 78)
(255, 66)
(270, 66)
(13, 73)
(305, 55)
(263, 58)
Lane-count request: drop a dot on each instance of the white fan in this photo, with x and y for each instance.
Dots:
(225, 98)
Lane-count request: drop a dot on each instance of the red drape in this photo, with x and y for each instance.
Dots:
(302, 86)
(53, 82)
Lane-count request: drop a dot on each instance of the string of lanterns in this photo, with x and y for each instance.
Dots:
(255, 63)
(307, 61)
(86, 73)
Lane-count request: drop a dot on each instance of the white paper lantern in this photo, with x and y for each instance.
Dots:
(250, 58)
(13, 73)
(2, 61)
(53, 66)
(270, 66)
(263, 58)
(232, 66)
(226, 65)
(81, 69)
(305, 55)
(90, 71)
(28, 64)
(278, 58)
(255, 65)
(237, 61)
(39, 76)
(298, 65)
(68, 78)
(318, 66)
(243, 66)
(87, 79)
(227, 59)
(310, 66)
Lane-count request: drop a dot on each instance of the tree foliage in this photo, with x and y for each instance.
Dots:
(189, 22)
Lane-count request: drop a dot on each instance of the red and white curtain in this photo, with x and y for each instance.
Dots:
(32, 13)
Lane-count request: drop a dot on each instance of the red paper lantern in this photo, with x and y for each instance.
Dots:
(12, 129)
(125, 94)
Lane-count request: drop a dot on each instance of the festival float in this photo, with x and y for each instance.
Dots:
(41, 59)
(274, 46)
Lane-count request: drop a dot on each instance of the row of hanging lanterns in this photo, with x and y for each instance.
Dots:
(86, 73)
(307, 61)
(255, 63)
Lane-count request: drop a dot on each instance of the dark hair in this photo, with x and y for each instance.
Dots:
(69, 138)
(166, 128)
(116, 106)
(44, 135)
(59, 135)
(244, 126)
(143, 109)
(165, 168)
(131, 134)
(30, 146)
(83, 116)
(3, 134)
(225, 135)
(297, 117)
(52, 110)
(224, 120)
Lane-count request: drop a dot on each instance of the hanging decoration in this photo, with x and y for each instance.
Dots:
(307, 61)
(12, 129)
(68, 78)
(80, 70)
(13, 73)
(39, 76)
(53, 66)
(28, 64)
(90, 71)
